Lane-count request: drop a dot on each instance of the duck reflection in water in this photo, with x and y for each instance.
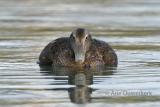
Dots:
(81, 92)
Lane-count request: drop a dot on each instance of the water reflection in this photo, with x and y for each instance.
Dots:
(81, 93)
(80, 79)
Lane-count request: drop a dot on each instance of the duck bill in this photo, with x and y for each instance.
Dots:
(79, 57)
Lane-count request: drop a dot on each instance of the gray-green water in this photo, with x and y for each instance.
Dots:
(131, 27)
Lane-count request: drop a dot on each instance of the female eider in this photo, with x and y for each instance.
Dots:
(78, 50)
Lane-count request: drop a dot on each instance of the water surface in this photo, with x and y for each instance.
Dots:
(131, 27)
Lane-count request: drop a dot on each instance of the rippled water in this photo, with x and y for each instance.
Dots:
(131, 27)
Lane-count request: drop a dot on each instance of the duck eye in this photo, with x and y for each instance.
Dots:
(72, 36)
(87, 38)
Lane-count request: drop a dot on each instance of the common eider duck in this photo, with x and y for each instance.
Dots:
(80, 49)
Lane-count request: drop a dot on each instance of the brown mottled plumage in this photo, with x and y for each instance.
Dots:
(78, 50)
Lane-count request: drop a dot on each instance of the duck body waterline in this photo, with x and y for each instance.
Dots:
(78, 50)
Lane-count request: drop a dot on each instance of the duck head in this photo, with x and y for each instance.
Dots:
(80, 40)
